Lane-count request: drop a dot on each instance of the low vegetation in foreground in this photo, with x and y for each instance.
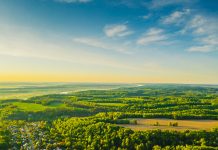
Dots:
(100, 119)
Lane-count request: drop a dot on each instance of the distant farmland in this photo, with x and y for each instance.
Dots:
(26, 90)
(163, 124)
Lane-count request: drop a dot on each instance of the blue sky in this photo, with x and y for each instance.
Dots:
(173, 41)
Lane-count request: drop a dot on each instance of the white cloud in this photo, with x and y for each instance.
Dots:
(153, 35)
(119, 30)
(73, 1)
(175, 17)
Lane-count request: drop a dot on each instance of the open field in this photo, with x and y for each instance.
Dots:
(112, 104)
(37, 107)
(149, 124)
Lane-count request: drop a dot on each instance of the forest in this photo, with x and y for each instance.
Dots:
(93, 119)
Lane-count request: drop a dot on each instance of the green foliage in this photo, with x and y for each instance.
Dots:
(157, 124)
(88, 119)
(174, 124)
(150, 101)
(90, 133)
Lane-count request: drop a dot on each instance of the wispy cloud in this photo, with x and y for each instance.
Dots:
(176, 17)
(197, 25)
(73, 1)
(201, 28)
(128, 3)
(91, 42)
(145, 17)
(153, 35)
(202, 48)
(118, 30)
(30, 44)
(97, 43)
(205, 33)
(163, 3)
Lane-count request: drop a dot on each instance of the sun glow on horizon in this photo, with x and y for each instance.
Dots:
(74, 41)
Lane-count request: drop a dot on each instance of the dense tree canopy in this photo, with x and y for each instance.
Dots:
(87, 119)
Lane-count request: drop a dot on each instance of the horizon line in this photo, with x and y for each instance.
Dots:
(98, 82)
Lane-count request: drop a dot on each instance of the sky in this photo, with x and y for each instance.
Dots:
(134, 41)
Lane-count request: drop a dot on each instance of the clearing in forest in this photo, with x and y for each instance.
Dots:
(164, 124)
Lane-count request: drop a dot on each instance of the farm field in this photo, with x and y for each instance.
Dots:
(164, 124)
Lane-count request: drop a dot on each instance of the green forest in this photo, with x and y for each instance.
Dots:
(93, 119)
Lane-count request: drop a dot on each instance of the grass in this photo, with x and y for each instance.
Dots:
(23, 106)
(148, 124)
(30, 106)
(111, 104)
(57, 104)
